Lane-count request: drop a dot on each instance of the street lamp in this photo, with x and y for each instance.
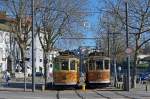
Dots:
(127, 46)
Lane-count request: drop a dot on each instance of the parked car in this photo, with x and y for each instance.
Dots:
(144, 76)
(38, 74)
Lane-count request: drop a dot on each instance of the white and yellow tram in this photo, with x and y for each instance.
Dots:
(97, 68)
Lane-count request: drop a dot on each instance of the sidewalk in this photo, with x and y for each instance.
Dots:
(141, 88)
(19, 86)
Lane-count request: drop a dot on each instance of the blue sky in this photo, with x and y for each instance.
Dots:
(92, 22)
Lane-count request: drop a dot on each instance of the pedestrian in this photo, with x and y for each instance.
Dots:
(6, 76)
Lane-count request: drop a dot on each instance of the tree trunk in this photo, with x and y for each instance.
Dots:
(133, 84)
(23, 66)
(45, 67)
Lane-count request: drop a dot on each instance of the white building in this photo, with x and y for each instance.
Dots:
(4, 50)
(15, 52)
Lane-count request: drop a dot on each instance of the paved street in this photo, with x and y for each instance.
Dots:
(16, 91)
(75, 94)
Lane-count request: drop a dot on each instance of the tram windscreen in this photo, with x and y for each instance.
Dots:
(99, 65)
(91, 65)
(72, 65)
(64, 65)
(106, 64)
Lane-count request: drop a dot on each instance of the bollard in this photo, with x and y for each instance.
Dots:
(83, 87)
(146, 86)
(124, 83)
(43, 87)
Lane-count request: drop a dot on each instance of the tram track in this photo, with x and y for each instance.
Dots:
(117, 93)
(97, 94)
(100, 94)
(58, 95)
(80, 95)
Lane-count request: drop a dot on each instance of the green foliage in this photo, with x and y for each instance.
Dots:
(143, 65)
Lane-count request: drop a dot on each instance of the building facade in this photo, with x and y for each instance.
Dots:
(4, 50)
(10, 50)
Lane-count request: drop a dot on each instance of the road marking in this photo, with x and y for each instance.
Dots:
(33, 97)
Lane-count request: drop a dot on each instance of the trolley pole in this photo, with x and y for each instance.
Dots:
(33, 68)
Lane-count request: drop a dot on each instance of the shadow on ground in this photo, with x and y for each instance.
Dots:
(50, 86)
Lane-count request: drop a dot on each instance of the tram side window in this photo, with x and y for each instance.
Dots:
(99, 65)
(91, 65)
(64, 65)
(72, 65)
(106, 64)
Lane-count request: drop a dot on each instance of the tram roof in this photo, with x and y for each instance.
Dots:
(96, 53)
(98, 57)
(66, 54)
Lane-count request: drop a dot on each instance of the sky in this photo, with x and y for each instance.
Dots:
(92, 21)
(91, 24)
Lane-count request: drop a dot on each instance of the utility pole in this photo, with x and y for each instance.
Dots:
(108, 53)
(33, 65)
(127, 46)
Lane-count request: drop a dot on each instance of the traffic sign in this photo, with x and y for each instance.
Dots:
(128, 51)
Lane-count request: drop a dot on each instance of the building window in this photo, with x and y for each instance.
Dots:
(40, 60)
(1, 37)
(1, 55)
(3, 59)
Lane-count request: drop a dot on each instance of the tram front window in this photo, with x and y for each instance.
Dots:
(72, 65)
(99, 65)
(106, 64)
(91, 65)
(64, 65)
(56, 67)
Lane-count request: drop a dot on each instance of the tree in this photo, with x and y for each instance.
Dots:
(20, 11)
(138, 23)
(56, 18)
(111, 33)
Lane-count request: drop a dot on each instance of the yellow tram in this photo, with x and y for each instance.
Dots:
(97, 68)
(66, 70)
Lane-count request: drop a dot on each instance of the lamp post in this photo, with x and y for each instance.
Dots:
(33, 68)
(127, 46)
